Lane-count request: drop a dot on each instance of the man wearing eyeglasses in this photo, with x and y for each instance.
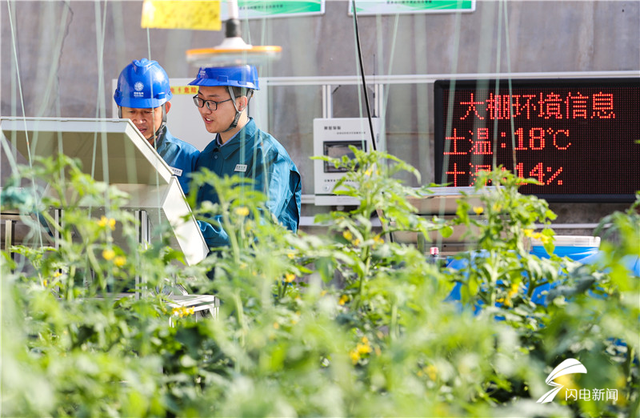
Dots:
(240, 148)
(143, 95)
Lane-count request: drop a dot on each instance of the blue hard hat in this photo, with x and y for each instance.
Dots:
(143, 84)
(241, 76)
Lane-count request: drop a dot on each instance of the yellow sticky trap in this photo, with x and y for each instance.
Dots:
(185, 14)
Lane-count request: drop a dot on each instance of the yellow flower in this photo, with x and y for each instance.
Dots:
(57, 274)
(505, 302)
(365, 340)
(368, 172)
(478, 210)
(432, 372)
(276, 325)
(44, 282)
(343, 299)
(513, 290)
(355, 356)
(242, 211)
(363, 348)
(378, 240)
(347, 235)
(108, 254)
(120, 261)
(289, 277)
(104, 221)
(356, 242)
(291, 255)
(181, 311)
(324, 292)
(528, 233)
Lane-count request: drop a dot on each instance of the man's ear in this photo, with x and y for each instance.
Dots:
(167, 106)
(244, 102)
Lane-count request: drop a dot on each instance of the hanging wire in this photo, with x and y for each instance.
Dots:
(362, 75)
(387, 86)
(100, 34)
(510, 84)
(100, 104)
(101, 27)
(155, 138)
(15, 58)
(441, 177)
(62, 34)
(14, 46)
(358, 91)
(494, 162)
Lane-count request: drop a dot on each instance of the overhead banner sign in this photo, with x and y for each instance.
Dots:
(386, 7)
(258, 9)
(172, 14)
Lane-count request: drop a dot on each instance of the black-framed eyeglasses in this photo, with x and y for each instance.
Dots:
(211, 104)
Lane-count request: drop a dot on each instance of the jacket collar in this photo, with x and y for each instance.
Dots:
(163, 132)
(245, 136)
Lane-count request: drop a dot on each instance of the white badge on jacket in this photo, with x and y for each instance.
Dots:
(241, 168)
(176, 171)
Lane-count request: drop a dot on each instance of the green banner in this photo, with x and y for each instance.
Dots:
(258, 9)
(383, 7)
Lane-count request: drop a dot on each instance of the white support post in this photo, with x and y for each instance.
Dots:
(143, 240)
(327, 101)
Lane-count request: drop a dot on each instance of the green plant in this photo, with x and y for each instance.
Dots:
(343, 324)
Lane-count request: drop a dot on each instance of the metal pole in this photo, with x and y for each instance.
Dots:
(143, 240)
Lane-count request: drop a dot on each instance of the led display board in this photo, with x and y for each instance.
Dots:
(579, 138)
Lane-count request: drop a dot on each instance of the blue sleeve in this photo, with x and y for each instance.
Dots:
(284, 193)
(278, 191)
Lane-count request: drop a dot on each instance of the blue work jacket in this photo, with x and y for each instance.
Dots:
(255, 155)
(180, 156)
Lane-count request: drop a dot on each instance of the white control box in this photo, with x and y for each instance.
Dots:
(332, 138)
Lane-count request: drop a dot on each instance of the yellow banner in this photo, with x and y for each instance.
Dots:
(185, 14)
(184, 90)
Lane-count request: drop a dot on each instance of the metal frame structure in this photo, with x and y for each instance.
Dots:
(260, 108)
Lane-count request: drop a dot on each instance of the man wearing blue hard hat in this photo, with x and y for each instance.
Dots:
(240, 148)
(143, 95)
